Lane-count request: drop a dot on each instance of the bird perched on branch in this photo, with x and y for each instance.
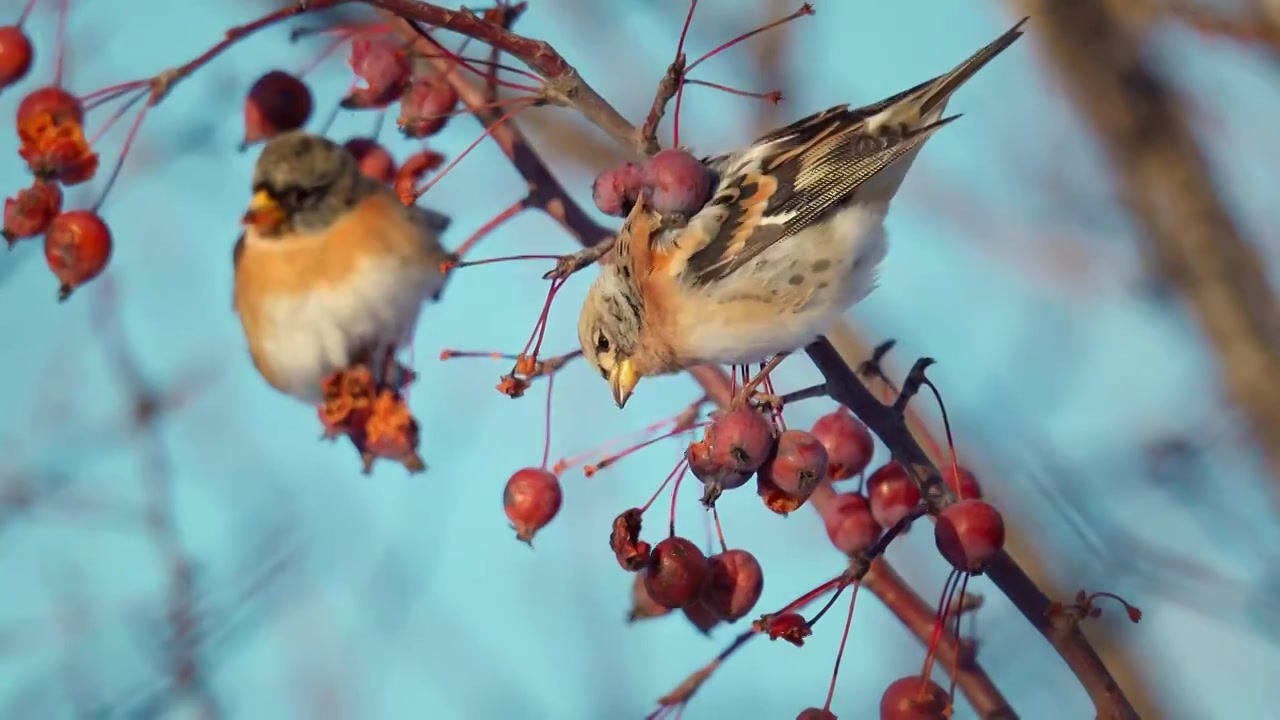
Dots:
(790, 239)
(332, 269)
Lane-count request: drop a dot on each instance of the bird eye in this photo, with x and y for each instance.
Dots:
(602, 343)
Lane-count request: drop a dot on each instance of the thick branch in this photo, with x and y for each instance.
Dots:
(1166, 182)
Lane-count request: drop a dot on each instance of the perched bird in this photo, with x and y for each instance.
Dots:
(790, 239)
(332, 269)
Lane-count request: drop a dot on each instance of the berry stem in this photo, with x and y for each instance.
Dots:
(60, 44)
(675, 492)
(26, 12)
(490, 226)
(946, 428)
(658, 493)
(715, 515)
(124, 153)
(684, 34)
(844, 638)
(520, 103)
(546, 443)
(490, 261)
(773, 96)
(612, 459)
(328, 50)
(805, 9)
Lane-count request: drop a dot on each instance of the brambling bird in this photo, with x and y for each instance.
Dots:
(790, 240)
(332, 269)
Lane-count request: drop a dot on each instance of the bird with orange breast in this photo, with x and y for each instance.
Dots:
(332, 269)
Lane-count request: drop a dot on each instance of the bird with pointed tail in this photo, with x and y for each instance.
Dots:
(791, 238)
(332, 269)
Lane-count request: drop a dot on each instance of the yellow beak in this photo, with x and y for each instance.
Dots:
(264, 212)
(623, 379)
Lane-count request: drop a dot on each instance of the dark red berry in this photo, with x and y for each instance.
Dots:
(374, 160)
(384, 67)
(426, 106)
(775, 498)
(734, 583)
(77, 247)
(892, 493)
(677, 573)
(964, 485)
(676, 182)
(61, 106)
(798, 463)
(30, 212)
(643, 605)
(717, 476)
(914, 698)
(969, 533)
(531, 499)
(16, 54)
(701, 616)
(816, 714)
(278, 102)
(848, 442)
(849, 522)
(616, 190)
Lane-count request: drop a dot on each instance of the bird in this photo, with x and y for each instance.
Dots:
(792, 237)
(331, 269)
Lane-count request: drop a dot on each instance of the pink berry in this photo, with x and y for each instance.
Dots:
(426, 106)
(531, 499)
(848, 442)
(892, 493)
(734, 583)
(969, 533)
(675, 182)
(849, 523)
(914, 698)
(798, 463)
(676, 574)
(384, 67)
(616, 190)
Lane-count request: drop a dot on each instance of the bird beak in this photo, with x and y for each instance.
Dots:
(264, 212)
(623, 379)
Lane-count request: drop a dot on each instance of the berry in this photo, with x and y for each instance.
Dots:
(16, 55)
(632, 552)
(642, 604)
(277, 102)
(742, 439)
(892, 493)
(77, 246)
(914, 698)
(848, 443)
(616, 190)
(425, 107)
(964, 485)
(676, 183)
(51, 133)
(385, 69)
(775, 498)
(701, 616)
(30, 212)
(969, 533)
(718, 477)
(62, 107)
(677, 573)
(816, 714)
(734, 584)
(798, 463)
(849, 522)
(374, 160)
(531, 500)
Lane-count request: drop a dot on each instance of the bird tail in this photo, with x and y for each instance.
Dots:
(925, 103)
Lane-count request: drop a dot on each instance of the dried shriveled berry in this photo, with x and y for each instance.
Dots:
(391, 432)
(962, 482)
(374, 160)
(643, 605)
(798, 463)
(384, 67)
(914, 698)
(16, 55)
(426, 106)
(616, 190)
(277, 102)
(701, 616)
(716, 476)
(893, 494)
(674, 182)
(347, 402)
(77, 247)
(632, 552)
(848, 443)
(30, 212)
(849, 522)
(531, 499)
(677, 573)
(816, 714)
(734, 583)
(790, 626)
(969, 533)
(51, 137)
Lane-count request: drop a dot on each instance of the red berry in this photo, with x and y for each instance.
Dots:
(798, 463)
(717, 476)
(734, 584)
(965, 485)
(677, 573)
(892, 493)
(383, 66)
(77, 246)
(62, 107)
(701, 616)
(848, 442)
(277, 102)
(849, 522)
(969, 533)
(816, 714)
(30, 212)
(742, 439)
(426, 106)
(374, 160)
(616, 190)
(16, 55)
(642, 604)
(676, 182)
(914, 698)
(531, 499)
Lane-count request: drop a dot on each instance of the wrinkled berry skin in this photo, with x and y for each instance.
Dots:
(62, 106)
(31, 211)
(676, 574)
(531, 499)
(969, 533)
(676, 183)
(616, 190)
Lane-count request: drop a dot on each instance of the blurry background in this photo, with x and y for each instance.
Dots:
(168, 522)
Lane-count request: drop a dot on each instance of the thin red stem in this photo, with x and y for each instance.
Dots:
(826, 587)
(955, 673)
(115, 117)
(613, 458)
(490, 226)
(546, 443)
(772, 96)
(835, 672)
(715, 514)
(124, 152)
(675, 114)
(507, 258)
(487, 131)
(64, 9)
(675, 492)
(329, 49)
(459, 61)
(939, 624)
(805, 9)
(109, 93)
(26, 12)
(946, 428)
(658, 493)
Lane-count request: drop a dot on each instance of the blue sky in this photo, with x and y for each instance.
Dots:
(408, 597)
